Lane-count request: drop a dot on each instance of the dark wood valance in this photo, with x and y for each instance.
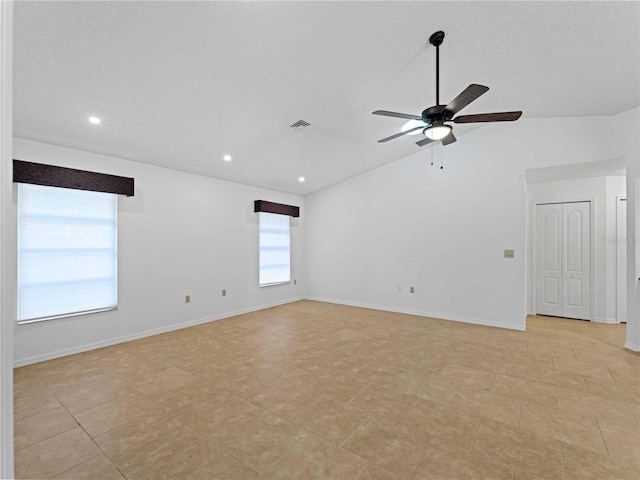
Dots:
(53, 176)
(279, 208)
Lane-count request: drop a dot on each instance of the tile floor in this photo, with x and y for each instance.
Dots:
(314, 390)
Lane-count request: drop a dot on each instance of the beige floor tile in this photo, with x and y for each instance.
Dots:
(595, 407)
(112, 414)
(529, 391)
(139, 437)
(443, 461)
(36, 428)
(342, 387)
(384, 402)
(619, 392)
(538, 454)
(622, 441)
(524, 474)
(436, 388)
(567, 427)
(490, 404)
(598, 373)
(501, 366)
(256, 437)
(55, 455)
(556, 378)
(98, 468)
(25, 378)
(189, 456)
(430, 419)
(331, 420)
(388, 445)
(301, 363)
(466, 378)
(581, 464)
(33, 400)
(374, 472)
(82, 397)
(314, 458)
(162, 381)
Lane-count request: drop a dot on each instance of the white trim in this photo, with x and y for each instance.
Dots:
(7, 258)
(419, 313)
(632, 347)
(147, 333)
(605, 320)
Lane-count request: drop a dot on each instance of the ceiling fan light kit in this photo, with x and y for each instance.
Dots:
(433, 120)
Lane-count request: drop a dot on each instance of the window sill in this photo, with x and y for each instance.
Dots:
(273, 284)
(66, 315)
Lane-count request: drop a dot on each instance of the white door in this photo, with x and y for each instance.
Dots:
(621, 259)
(563, 270)
(549, 260)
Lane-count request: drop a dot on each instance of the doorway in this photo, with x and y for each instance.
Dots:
(563, 260)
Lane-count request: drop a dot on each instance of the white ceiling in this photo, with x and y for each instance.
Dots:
(180, 84)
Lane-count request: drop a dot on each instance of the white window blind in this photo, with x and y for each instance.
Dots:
(67, 252)
(275, 248)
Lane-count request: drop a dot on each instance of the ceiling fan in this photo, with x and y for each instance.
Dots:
(433, 119)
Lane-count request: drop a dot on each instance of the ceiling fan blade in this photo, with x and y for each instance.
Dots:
(489, 117)
(449, 139)
(467, 96)
(424, 141)
(398, 115)
(400, 134)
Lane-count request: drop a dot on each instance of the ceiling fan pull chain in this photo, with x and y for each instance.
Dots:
(432, 155)
(441, 166)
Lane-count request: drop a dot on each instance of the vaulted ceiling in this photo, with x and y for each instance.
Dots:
(180, 84)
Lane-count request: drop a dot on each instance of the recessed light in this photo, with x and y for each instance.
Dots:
(94, 120)
(227, 158)
(301, 179)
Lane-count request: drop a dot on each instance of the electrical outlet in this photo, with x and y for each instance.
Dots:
(187, 299)
(295, 282)
(412, 290)
(509, 254)
(224, 292)
(399, 290)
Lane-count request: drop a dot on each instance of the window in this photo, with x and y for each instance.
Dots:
(275, 248)
(67, 252)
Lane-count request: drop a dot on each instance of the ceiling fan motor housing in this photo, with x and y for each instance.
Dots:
(436, 115)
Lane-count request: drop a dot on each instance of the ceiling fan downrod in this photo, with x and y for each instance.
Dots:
(436, 40)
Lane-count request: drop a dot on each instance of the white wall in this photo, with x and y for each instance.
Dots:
(180, 234)
(443, 231)
(627, 144)
(7, 271)
(603, 191)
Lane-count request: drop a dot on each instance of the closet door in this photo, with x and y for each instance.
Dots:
(549, 259)
(576, 252)
(563, 260)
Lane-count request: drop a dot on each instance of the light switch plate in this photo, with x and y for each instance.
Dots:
(509, 254)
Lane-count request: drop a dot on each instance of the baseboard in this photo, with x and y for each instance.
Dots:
(632, 347)
(605, 320)
(420, 313)
(147, 333)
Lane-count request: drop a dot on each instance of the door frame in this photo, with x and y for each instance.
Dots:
(621, 281)
(534, 251)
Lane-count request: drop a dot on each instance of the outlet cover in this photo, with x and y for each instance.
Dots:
(509, 254)
(224, 292)
(187, 299)
(412, 290)
(295, 282)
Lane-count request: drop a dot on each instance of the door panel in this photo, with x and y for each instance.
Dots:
(549, 259)
(563, 260)
(576, 247)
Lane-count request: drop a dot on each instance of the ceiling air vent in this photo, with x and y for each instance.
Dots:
(300, 126)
